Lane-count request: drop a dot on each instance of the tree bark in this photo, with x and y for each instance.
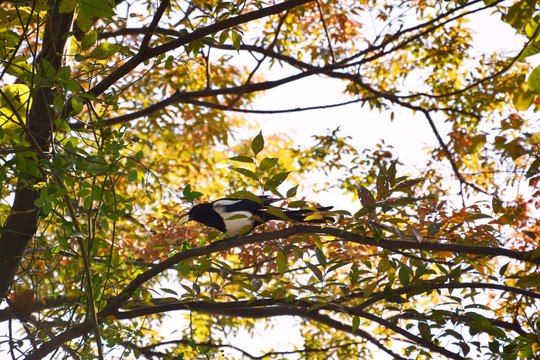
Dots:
(22, 222)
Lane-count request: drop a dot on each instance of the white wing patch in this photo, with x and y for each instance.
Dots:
(225, 202)
(233, 226)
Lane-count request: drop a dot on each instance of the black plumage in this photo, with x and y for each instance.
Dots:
(234, 216)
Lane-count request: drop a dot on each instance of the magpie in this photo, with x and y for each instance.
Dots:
(234, 216)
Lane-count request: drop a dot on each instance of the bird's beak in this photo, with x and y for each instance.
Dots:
(184, 219)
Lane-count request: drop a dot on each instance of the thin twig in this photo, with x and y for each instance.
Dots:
(326, 31)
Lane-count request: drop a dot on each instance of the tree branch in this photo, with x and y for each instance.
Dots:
(154, 24)
(197, 34)
(464, 318)
(116, 302)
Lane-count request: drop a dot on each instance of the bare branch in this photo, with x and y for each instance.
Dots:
(154, 24)
(149, 53)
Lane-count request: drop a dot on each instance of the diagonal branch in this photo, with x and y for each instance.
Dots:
(153, 25)
(416, 339)
(149, 53)
(259, 62)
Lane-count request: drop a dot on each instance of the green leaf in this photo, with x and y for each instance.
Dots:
(391, 172)
(297, 204)
(477, 142)
(132, 175)
(244, 194)
(407, 184)
(223, 37)
(77, 105)
(503, 269)
(276, 180)
(424, 330)
(67, 6)
(62, 124)
(321, 257)
(204, 265)
(257, 145)
(496, 203)
(353, 274)
(464, 347)
(104, 51)
(73, 86)
(520, 13)
(190, 195)
(281, 261)
(404, 275)
(355, 322)
(58, 103)
(272, 210)
(530, 50)
(236, 40)
(169, 291)
(523, 99)
(241, 158)
(534, 169)
(64, 74)
(39, 202)
(315, 270)
(534, 81)
(382, 185)
(528, 281)
(268, 163)
(250, 174)
(184, 268)
(84, 22)
(97, 8)
(89, 40)
(292, 192)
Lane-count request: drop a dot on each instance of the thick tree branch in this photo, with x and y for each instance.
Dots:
(197, 34)
(115, 303)
(423, 287)
(148, 349)
(54, 343)
(187, 96)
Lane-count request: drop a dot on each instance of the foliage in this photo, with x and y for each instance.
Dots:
(116, 117)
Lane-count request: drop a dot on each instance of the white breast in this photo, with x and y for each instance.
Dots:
(241, 219)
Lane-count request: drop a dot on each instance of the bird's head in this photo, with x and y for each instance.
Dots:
(194, 213)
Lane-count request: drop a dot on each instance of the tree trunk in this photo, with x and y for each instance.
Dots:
(22, 222)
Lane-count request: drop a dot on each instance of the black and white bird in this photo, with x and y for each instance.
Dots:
(235, 216)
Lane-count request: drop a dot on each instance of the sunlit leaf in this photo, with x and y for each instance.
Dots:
(96, 8)
(366, 197)
(257, 145)
(242, 158)
(281, 261)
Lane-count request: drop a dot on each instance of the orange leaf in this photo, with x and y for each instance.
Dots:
(22, 301)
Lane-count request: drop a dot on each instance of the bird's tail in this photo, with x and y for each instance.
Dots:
(308, 215)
